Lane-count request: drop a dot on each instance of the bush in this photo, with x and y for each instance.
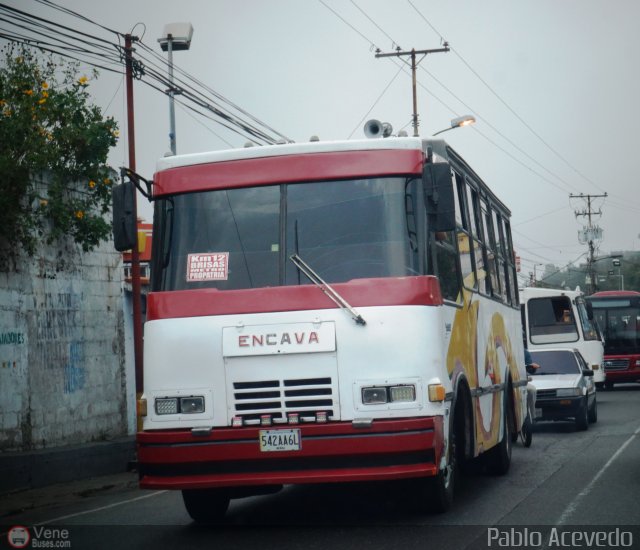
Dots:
(54, 178)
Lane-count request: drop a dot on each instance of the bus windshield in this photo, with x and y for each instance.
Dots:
(243, 238)
(619, 320)
(551, 320)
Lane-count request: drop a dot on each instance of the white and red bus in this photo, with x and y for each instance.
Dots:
(618, 315)
(327, 312)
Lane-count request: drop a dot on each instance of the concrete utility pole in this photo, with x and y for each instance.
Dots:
(414, 64)
(590, 234)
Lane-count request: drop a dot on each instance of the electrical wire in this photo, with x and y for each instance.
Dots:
(375, 102)
(92, 50)
(508, 107)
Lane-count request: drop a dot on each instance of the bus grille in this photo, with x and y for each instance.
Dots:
(278, 398)
(616, 364)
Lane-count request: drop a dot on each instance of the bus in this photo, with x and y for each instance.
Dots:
(618, 315)
(327, 312)
(553, 318)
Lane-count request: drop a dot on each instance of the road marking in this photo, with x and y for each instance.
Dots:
(571, 508)
(85, 512)
(114, 505)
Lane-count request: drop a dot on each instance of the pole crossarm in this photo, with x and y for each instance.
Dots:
(412, 52)
(414, 64)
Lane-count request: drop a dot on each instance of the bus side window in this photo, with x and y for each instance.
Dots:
(446, 264)
(476, 246)
(463, 235)
(490, 249)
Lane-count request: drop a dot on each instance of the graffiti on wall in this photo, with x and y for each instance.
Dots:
(74, 371)
(8, 341)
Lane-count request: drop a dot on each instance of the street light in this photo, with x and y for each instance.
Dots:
(175, 37)
(616, 263)
(459, 122)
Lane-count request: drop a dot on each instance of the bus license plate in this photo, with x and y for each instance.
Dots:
(279, 440)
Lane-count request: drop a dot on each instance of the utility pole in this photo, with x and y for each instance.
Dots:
(414, 64)
(135, 254)
(172, 91)
(589, 234)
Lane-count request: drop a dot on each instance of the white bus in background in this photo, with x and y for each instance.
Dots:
(553, 318)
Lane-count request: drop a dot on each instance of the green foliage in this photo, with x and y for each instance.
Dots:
(54, 178)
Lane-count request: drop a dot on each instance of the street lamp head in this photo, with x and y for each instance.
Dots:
(179, 34)
(459, 122)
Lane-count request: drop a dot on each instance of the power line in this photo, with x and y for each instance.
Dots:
(376, 102)
(63, 40)
(443, 103)
(509, 108)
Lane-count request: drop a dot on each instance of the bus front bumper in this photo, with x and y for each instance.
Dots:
(328, 453)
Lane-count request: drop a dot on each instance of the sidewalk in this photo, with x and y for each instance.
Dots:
(22, 471)
(19, 502)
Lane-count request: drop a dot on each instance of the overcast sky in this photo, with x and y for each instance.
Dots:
(553, 84)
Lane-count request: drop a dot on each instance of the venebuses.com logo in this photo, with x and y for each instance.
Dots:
(20, 536)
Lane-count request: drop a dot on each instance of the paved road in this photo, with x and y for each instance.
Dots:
(566, 480)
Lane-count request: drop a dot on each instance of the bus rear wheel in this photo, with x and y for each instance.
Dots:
(206, 505)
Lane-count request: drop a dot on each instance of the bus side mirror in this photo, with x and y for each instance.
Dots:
(125, 231)
(589, 311)
(438, 196)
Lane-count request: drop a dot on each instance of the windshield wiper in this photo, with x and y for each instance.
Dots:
(326, 288)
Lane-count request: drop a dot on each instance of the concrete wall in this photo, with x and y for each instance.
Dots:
(62, 349)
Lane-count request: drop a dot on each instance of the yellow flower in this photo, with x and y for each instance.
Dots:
(92, 184)
(28, 92)
(45, 85)
(79, 214)
(45, 94)
(107, 181)
(83, 81)
(116, 133)
(41, 101)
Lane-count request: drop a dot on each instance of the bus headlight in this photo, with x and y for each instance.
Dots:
(374, 396)
(167, 405)
(380, 395)
(402, 394)
(193, 404)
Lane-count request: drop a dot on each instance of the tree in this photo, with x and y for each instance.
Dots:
(54, 177)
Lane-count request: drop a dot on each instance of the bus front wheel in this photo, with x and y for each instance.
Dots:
(441, 487)
(205, 505)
